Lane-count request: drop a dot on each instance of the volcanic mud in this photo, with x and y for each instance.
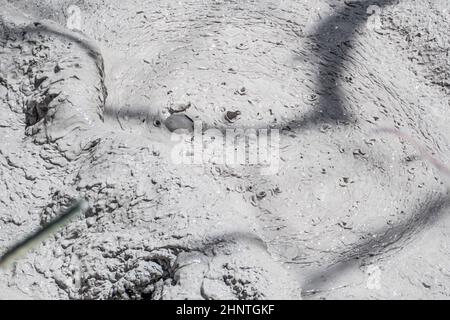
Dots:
(90, 91)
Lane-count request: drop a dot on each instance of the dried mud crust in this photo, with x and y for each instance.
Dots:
(344, 199)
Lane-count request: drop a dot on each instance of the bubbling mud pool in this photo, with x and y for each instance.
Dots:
(347, 213)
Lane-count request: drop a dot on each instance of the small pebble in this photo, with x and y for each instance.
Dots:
(231, 116)
(179, 122)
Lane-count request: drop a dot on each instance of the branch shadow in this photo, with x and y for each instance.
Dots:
(333, 41)
(379, 244)
(382, 242)
(52, 28)
(48, 27)
(332, 45)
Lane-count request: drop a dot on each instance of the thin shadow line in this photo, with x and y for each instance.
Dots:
(382, 241)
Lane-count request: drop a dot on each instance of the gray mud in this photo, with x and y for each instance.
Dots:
(351, 213)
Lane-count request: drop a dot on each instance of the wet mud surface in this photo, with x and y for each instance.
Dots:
(351, 212)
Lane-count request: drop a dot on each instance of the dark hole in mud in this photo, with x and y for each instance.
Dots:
(38, 108)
